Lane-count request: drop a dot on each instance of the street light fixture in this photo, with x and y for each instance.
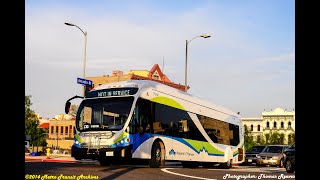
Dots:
(186, 70)
(85, 49)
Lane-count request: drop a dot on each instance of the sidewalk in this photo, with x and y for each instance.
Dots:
(65, 158)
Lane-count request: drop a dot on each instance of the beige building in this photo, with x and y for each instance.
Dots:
(278, 119)
(154, 74)
(61, 132)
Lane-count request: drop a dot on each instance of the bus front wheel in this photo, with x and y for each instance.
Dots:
(156, 155)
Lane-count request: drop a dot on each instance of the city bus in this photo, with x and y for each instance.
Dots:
(148, 120)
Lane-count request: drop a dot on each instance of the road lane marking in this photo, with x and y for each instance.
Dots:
(195, 177)
(265, 170)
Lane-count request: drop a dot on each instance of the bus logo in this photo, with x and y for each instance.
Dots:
(172, 152)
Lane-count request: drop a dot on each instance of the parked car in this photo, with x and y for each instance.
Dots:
(272, 155)
(34, 154)
(289, 159)
(251, 155)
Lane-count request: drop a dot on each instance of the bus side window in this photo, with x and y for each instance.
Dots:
(157, 129)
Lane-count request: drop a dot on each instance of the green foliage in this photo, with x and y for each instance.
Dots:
(248, 139)
(260, 140)
(29, 114)
(38, 135)
(292, 139)
(274, 137)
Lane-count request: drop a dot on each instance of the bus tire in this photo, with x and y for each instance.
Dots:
(156, 158)
(77, 157)
(226, 165)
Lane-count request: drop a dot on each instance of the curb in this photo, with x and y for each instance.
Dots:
(51, 160)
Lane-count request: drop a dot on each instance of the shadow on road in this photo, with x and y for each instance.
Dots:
(116, 174)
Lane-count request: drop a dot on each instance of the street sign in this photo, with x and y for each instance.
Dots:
(84, 81)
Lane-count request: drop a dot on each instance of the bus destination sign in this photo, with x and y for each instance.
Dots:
(112, 92)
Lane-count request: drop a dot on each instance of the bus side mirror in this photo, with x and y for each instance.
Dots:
(67, 107)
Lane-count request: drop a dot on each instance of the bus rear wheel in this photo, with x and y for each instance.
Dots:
(156, 156)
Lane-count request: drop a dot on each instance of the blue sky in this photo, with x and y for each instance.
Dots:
(247, 65)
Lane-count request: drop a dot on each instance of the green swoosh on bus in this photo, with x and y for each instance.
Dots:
(167, 101)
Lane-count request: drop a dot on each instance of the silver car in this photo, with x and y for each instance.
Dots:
(272, 155)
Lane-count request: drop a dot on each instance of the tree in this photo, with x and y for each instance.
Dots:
(29, 114)
(260, 140)
(38, 135)
(248, 139)
(274, 137)
(291, 140)
(282, 138)
(40, 138)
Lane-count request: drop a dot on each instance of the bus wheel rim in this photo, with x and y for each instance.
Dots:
(158, 154)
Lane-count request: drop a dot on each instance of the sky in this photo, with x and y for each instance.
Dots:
(247, 65)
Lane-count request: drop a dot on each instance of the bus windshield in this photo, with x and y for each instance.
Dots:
(103, 114)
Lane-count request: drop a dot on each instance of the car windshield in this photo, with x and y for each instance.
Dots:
(103, 114)
(256, 149)
(273, 149)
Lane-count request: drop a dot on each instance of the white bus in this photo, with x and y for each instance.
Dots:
(143, 119)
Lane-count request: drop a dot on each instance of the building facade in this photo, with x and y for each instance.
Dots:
(61, 132)
(155, 74)
(279, 120)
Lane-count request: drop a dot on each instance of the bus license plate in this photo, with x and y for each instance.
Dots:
(110, 153)
(249, 160)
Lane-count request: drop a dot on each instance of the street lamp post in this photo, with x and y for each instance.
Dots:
(85, 49)
(186, 70)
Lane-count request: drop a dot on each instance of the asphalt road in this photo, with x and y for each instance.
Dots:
(92, 170)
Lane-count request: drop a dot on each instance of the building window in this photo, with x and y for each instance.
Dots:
(268, 125)
(251, 127)
(259, 127)
(245, 127)
(67, 130)
(281, 124)
(275, 125)
(289, 124)
(57, 129)
(52, 129)
(61, 130)
(71, 129)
